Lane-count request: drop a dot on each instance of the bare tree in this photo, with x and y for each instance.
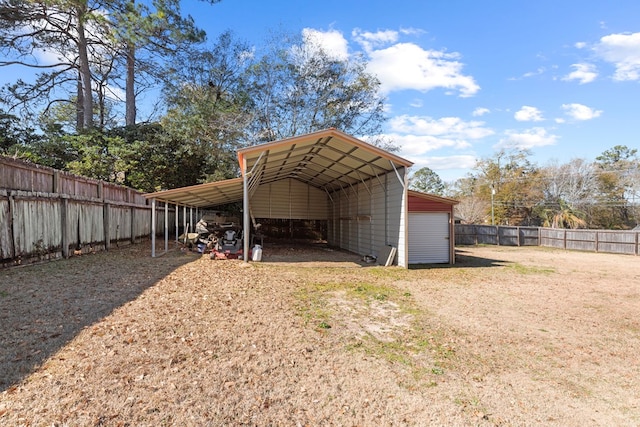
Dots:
(66, 30)
(297, 87)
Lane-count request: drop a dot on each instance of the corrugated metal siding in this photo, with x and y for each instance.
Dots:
(378, 216)
(396, 220)
(429, 238)
(289, 199)
(370, 215)
(417, 204)
(364, 219)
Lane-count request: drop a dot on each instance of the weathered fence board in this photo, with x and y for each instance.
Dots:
(6, 241)
(622, 242)
(34, 218)
(47, 214)
(470, 234)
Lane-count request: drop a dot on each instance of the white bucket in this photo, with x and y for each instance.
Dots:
(256, 253)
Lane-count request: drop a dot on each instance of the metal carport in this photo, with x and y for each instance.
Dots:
(360, 189)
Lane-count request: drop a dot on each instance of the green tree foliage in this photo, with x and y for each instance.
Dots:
(617, 184)
(154, 160)
(511, 177)
(210, 109)
(568, 190)
(217, 98)
(427, 181)
(602, 194)
(15, 139)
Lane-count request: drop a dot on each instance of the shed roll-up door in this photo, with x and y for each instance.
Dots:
(429, 238)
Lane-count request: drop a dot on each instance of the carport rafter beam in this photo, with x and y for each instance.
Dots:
(398, 175)
(284, 174)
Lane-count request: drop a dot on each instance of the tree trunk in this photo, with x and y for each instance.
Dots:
(85, 70)
(79, 106)
(130, 113)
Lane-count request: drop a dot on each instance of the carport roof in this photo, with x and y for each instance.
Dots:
(327, 159)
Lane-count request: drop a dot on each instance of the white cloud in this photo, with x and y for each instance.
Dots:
(623, 51)
(580, 112)
(412, 31)
(531, 138)
(369, 40)
(580, 45)
(448, 162)
(416, 103)
(528, 114)
(332, 42)
(480, 111)
(47, 57)
(447, 127)
(408, 66)
(417, 135)
(584, 73)
(412, 145)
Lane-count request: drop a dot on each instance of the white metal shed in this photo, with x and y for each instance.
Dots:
(359, 189)
(431, 229)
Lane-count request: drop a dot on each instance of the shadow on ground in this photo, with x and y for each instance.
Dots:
(43, 307)
(464, 259)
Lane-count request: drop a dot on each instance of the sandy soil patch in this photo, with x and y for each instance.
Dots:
(507, 336)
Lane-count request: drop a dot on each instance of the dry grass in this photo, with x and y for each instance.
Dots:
(508, 336)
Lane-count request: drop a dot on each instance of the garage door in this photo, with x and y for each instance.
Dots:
(429, 238)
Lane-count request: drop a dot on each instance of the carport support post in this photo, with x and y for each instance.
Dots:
(153, 228)
(166, 227)
(245, 208)
(177, 215)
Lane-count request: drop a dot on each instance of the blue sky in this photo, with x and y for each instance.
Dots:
(466, 78)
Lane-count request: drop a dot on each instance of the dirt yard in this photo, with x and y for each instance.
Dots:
(507, 336)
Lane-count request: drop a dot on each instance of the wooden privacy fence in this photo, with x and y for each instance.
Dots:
(621, 242)
(47, 213)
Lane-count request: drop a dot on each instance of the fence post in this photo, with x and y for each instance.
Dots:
(132, 216)
(12, 209)
(153, 228)
(498, 235)
(596, 242)
(564, 238)
(106, 225)
(539, 236)
(64, 225)
(56, 181)
(177, 211)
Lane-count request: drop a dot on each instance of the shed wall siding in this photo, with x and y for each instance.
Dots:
(369, 215)
(289, 199)
(417, 204)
